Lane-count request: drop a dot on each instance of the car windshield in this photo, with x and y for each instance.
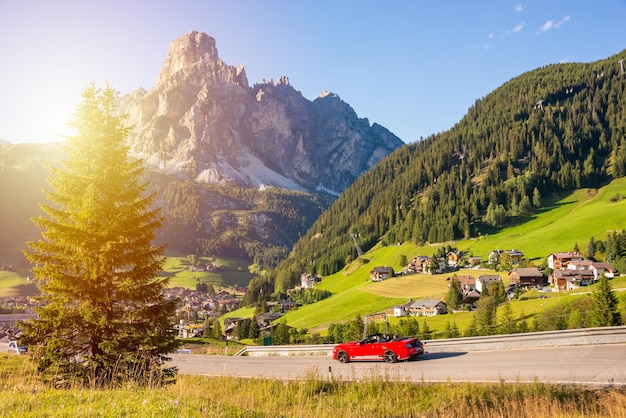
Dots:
(376, 338)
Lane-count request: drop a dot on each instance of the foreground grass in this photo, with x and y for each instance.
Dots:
(22, 395)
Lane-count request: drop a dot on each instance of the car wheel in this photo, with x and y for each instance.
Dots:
(343, 357)
(390, 356)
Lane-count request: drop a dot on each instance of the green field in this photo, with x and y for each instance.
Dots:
(13, 284)
(571, 219)
(236, 272)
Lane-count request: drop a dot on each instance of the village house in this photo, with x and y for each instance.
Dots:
(308, 280)
(559, 261)
(468, 283)
(400, 310)
(439, 267)
(598, 268)
(469, 299)
(570, 279)
(483, 282)
(419, 264)
(474, 261)
(427, 307)
(515, 255)
(229, 326)
(267, 318)
(454, 258)
(283, 305)
(527, 277)
(576, 273)
(381, 273)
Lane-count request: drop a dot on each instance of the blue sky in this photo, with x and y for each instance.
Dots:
(414, 67)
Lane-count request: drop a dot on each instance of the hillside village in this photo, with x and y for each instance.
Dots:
(565, 271)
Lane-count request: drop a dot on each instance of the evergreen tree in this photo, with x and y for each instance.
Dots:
(426, 332)
(591, 249)
(497, 290)
(216, 330)
(103, 318)
(604, 306)
(355, 329)
(412, 327)
(507, 322)
(261, 306)
(505, 262)
(472, 329)
(253, 329)
(455, 294)
(486, 315)
(536, 198)
(280, 334)
(243, 328)
(452, 330)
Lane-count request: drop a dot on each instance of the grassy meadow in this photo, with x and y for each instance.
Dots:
(23, 395)
(236, 272)
(565, 221)
(14, 284)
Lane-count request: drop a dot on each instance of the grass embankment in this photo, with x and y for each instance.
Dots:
(23, 395)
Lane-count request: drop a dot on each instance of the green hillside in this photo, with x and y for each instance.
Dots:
(572, 219)
(508, 161)
(569, 220)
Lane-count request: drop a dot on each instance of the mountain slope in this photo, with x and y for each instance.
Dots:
(572, 218)
(556, 128)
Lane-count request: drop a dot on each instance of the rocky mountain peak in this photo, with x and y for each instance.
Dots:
(202, 121)
(195, 52)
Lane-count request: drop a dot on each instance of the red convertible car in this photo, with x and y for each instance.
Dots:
(379, 347)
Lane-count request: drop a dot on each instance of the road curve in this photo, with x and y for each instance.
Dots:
(600, 365)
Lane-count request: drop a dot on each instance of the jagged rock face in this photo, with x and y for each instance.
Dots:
(203, 121)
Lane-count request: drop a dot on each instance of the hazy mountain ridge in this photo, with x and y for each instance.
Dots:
(259, 224)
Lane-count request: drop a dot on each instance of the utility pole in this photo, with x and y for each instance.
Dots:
(540, 104)
(359, 251)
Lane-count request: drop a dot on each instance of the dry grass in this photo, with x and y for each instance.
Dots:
(22, 395)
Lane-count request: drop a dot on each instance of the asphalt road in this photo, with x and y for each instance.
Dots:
(588, 365)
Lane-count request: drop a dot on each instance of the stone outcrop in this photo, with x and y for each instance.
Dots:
(203, 121)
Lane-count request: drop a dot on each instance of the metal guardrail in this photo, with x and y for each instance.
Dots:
(287, 350)
(572, 337)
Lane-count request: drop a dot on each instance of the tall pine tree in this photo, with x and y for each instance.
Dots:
(604, 305)
(103, 318)
(455, 294)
